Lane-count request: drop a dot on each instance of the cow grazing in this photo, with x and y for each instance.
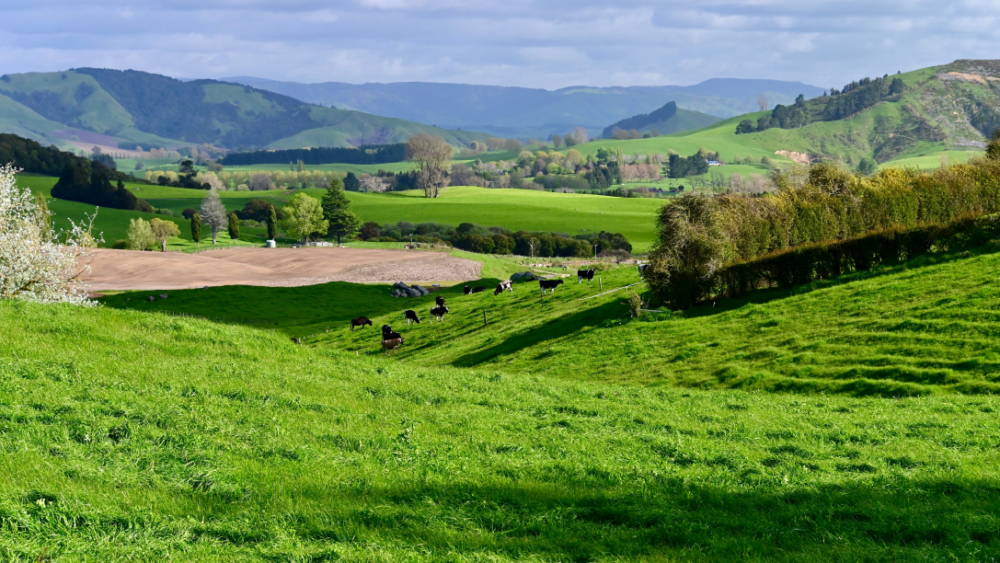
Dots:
(479, 289)
(642, 270)
(411, 317)
(439, 301)
(439, 312)
(389, 334)
(360, 321)
(585, 275)
(468, 289)
(549, 284)
(504, 286)
(391, 344)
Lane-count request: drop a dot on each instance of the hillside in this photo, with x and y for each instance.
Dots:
(944, 112)
(666, 120)
(139, 435)
(85, 107)
(532, 112)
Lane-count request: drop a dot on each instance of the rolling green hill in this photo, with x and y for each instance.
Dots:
(944, 110)
(141, 436)
(104, 107)
(666, 120)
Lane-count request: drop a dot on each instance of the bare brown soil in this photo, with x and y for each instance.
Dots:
(275, 267)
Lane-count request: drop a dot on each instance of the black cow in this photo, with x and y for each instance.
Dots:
(549, 284)
(479, 289)
(504, 286)
(411, 317)
(360, 321)
(388, 334)
(439, 301)
(439, 312)
(585, 275)
(468, 289)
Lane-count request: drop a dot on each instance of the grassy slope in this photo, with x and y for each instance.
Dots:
(918, 328)
(130, 435)
(112, 224)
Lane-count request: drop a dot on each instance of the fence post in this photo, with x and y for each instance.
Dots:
(600, 281)
(484, 318)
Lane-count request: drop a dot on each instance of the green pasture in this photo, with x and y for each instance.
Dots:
(923, 327)
(132, 435)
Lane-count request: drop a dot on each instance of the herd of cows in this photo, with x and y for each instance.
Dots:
(392, 340)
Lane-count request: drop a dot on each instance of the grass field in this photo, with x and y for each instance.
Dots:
(129, 435)
(920, 328)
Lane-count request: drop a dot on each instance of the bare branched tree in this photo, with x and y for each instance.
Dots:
(432, 155)
(763, 103)
(213, 214)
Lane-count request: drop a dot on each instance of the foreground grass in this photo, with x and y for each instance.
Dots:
(135, 436)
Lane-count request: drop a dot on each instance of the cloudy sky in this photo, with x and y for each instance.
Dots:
(548, 43)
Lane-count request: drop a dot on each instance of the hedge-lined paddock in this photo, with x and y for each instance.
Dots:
(805, 264)
(699, 237)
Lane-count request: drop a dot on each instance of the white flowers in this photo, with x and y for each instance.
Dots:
(34, 264)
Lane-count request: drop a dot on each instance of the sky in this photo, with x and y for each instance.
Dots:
(545, 44)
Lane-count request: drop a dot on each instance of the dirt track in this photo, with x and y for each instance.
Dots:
(276, 267)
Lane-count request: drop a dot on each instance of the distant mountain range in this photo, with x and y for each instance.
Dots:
(532, 112)
(110, 108)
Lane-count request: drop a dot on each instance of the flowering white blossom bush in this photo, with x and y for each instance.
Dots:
(35, 264)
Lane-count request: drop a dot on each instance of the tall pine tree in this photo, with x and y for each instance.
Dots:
(196, 227)
(272, 223)
(337, 212)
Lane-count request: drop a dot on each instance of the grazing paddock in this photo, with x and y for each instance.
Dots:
(131, 434)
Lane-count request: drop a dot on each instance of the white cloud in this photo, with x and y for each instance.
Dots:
(516, 42)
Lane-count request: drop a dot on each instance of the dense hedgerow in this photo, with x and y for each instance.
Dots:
(699, 236)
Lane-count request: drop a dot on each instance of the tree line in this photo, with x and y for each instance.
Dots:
(699, 236)
(839, 104)
(365, 154)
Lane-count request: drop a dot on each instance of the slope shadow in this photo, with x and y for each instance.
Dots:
(553, 330)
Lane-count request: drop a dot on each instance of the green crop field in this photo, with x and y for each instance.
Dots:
(133, 435)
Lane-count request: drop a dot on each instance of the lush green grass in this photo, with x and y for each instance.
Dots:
(919, 328)
(113, 224)
(136, 436)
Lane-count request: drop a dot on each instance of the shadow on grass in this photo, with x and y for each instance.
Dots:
(664, 518)
(553, 330)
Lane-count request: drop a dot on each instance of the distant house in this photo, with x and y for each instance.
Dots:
(714, 163)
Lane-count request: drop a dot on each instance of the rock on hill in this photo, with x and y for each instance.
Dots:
(88, 106)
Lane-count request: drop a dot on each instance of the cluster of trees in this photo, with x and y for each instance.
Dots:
(577, 136)
(840, 104)
(699, 235)
(245, 180)
(492, 144)
(497, 240)
(91, 182)
(143, 234)
(30, 156)
(694, 165)
(365, 154)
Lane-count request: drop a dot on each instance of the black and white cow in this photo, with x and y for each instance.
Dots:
(585, 275)
(439, 301)
(468, 289)
(642, 270)
(504, 286)
(389, 334)
(411, 317)
(549, 284)
(479, 289)
(439, 312)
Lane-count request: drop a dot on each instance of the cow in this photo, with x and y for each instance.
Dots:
(389, 334)
(585, 275)
(439, 312)
(549, 284)
(642, 270)
(411, 317)
(360, 321)
(504, 286)
(479, 289)
(391, 344)
(439, 301)
(468, 289)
